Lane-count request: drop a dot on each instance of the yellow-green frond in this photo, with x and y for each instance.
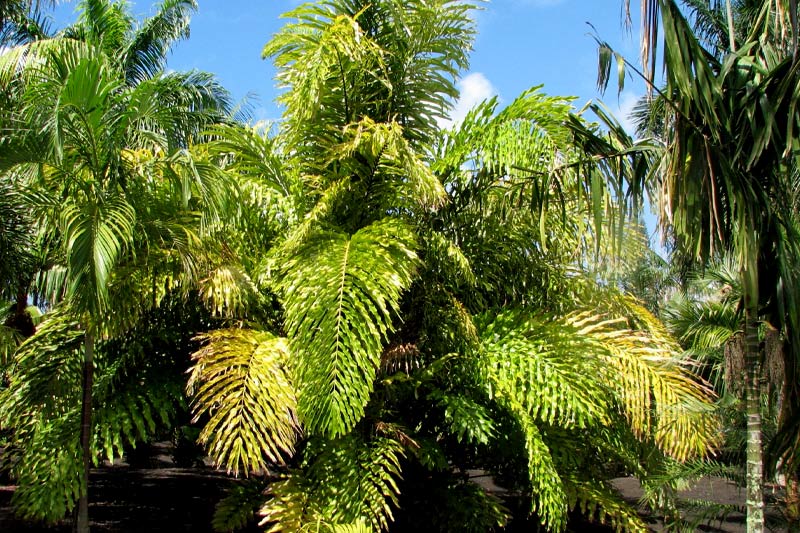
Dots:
(240, 380)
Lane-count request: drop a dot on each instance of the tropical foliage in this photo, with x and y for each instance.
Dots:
(376, 308)
(428, 294)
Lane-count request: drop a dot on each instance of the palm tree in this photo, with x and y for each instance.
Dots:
(101, 97)
(428, 295)
(729, 150)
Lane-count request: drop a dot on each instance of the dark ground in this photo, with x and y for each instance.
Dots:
(160, 497)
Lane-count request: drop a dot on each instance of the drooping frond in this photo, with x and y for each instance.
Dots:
(127, 413)
(240, 380)
(469, 421)
(380, 155)
(660, 398)
(602, 503)
(227, 290)
(239, 507)
(344, 481)
(341, 294)
(48, 473)
(96, 235)
(544, 368)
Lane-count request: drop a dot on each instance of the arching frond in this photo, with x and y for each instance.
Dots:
(660, 398)
(379, 155)
(240, 380)
(96, 235)
(545, 368)
(341, 294)
(598, 501)
(144, 55)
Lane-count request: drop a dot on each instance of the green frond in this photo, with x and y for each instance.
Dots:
(129, 413)
(549, 499)
(253, 153)
(380, 152)
(238, 508)
(342, 60)
(545, 368)
(144, 54)
(227, 291)
(341, 295)
(703, 325)
(444, 256)
(600, 502)
(48, 468)
(45, 371)
(468, 420)
(341, 482)
(96, 235)
(239, 379)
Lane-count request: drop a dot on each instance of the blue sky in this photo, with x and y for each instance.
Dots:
(521, 43)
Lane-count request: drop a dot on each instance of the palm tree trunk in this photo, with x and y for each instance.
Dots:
(82, 520)
(755, 462)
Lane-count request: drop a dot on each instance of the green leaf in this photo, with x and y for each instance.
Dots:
(341, 296)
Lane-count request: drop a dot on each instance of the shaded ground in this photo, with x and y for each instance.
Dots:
(163, 498)
(729, 497)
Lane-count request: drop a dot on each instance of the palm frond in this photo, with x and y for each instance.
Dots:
(341, 296)
(468, 420)
(145, 54)
(342, 482)
(238, 508)
(96, 236)
(544, 369)
(601, 503)
(661, 399)
(240, 381)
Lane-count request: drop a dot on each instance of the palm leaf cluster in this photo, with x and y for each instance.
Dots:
(99, 137)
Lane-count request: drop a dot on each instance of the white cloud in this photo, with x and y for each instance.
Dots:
(474, 88)
(625, 104)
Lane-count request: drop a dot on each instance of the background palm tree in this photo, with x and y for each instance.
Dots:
(728, 161)
(103, 102)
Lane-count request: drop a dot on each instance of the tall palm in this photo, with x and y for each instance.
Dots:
(100, 96)
(730, 146)
(428, 294)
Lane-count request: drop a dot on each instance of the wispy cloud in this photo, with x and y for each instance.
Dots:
(474, 88)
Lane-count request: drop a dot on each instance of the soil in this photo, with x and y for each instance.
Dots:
(160, 497)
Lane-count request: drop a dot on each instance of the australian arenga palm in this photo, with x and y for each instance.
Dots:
(98, 134)
(428, 294)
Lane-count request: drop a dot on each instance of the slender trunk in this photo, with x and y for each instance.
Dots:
(731, 30)
(752, 393)
(82, 519)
